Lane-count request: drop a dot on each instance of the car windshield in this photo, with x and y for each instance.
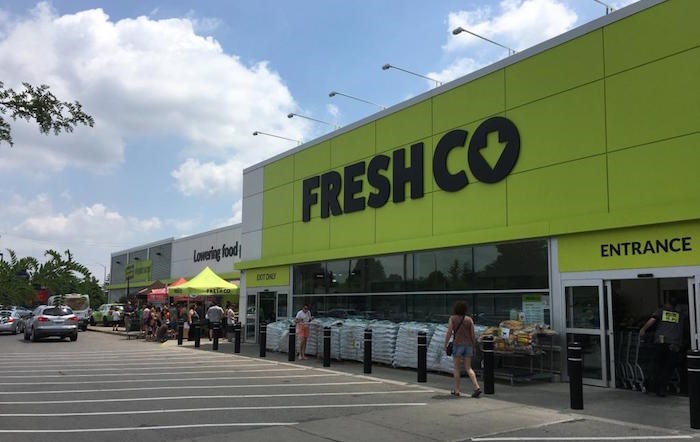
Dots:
(77, 303)
(57, 311)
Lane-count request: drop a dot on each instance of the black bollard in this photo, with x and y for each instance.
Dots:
(422, 357)
(368, 350)
(180, 331)
(237, 338)
(694, 387)
(487, 349)
(263, 339)
(575, 369)
(197, 330)
(326, 346)
(215, 331)
(292, 343)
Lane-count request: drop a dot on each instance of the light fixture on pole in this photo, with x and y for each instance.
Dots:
(293, 114)
(334, 93)
(104, 274)
(608, 8)
(460, 29)
(391, 66)
(257, 132)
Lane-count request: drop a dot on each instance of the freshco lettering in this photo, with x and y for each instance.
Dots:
(328, 187)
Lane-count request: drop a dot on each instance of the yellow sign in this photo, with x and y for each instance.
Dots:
(665, 245)
(268, 276)
(667, 316)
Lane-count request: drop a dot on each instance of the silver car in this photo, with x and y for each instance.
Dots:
(8, 321)
(47, 320)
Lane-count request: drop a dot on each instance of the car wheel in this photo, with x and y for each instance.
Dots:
(92, 321)
(34, 336)
(104, 322)
(74, 337)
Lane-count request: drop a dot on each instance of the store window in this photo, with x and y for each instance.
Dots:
(310, 279)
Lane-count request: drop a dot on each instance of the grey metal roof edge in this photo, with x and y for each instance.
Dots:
(579, 31)
(149, 245)
(209, 232)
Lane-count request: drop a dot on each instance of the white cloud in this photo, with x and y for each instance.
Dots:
(141, 77)
(456, 69)
(517, 24)
(210, 179)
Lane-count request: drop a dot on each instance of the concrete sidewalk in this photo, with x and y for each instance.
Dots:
(604, 404)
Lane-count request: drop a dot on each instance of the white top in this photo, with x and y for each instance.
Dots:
(303, 316)
(115, 315)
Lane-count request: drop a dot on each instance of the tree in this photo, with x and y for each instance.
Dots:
(39, 104)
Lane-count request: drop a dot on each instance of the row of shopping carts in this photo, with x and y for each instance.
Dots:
(634, 362)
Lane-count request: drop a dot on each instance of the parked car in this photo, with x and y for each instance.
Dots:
(103, 316)
(8, 321)
(47, 320)
(24, 316)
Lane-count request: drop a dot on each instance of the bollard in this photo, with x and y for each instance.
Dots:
(422, 357)
(694, 387)
(263, 339)
(368, 350)
(326, 346)
(196, 329)
(575, 369)
(237, 338)
(215, 331)
(180, 331)
(292, 343)
(489, 364)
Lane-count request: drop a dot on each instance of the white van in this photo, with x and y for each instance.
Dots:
(80, 304)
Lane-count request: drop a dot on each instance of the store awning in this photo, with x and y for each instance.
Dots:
(206, 283)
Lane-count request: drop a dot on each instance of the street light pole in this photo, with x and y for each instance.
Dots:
(460, 29)
(257, 132)
(391, 66)
(334, 93)
(293, 114)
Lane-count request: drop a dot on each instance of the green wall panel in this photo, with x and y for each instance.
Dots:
(313, 160)
(311, 236)
(404, 127)
(655, 101)
(560, 191)
(563, 127)
(277, 241)
(278, 173)
(352, 229)
(470, 102)
(564, 67)
(478, 206)
(652, 34)
(278, 205)
(353, 146)
(409, 219)
(656, 174)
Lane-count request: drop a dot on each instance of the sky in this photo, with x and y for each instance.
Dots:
(177, 89)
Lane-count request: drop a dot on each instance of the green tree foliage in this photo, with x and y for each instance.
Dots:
(39, 104)
(60, 274)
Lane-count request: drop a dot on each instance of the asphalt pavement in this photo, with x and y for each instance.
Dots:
(109, 387)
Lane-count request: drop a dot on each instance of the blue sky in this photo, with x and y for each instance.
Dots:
(178, 87)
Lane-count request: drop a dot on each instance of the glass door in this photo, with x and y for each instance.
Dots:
(267, 307)
(585, 303)
(251, 324)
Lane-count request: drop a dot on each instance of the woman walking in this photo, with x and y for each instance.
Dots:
(462, 327)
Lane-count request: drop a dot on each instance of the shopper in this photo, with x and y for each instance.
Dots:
(192, 317)
(116, 317)
(214, 314)
(668, 341)
(460, 328)
(230, 321)
(302, 320)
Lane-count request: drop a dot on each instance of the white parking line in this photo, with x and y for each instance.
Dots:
(141, 366)
(505, 439)
(185, 387)
(241, 396)
(202, 410)
(221, 371)
(209, 378)
(155, 427)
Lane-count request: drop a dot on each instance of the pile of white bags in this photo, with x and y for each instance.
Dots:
(314, 345)
(277, 338)
(406, 354)
(383, 341)
(352, 334)
(437, 359)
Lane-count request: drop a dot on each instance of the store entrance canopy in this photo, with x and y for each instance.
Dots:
(207, 283)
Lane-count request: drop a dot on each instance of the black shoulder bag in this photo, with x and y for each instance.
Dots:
(450, 345)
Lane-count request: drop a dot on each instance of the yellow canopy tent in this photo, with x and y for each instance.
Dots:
(207, 283)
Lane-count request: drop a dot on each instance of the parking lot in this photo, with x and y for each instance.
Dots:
(104, 385)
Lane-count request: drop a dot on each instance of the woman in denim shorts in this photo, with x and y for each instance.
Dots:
(462, 327)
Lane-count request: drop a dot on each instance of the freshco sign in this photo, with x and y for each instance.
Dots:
(329, 186)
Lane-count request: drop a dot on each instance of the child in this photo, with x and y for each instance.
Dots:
(116, 316)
